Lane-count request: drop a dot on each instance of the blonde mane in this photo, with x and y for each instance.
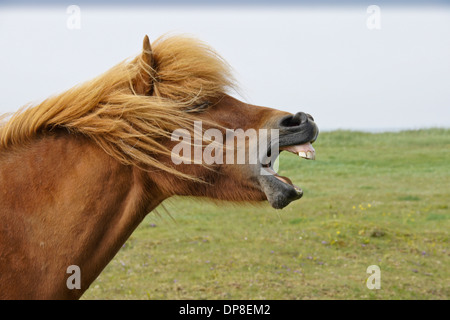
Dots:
(129, 126)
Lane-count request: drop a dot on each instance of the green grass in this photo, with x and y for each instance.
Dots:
(369, 199)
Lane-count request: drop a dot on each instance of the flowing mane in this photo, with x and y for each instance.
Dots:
(125, 123)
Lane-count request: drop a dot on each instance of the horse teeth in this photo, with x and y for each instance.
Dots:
(307, 155)
(302, 154)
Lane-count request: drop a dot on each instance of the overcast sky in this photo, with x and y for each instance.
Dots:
(324, 60)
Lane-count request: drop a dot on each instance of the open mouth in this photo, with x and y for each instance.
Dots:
(305, 151)
(297, 133)
(280, 190)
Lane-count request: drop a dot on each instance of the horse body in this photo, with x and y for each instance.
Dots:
(80, 171)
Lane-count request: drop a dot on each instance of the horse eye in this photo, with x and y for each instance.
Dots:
(199, 107)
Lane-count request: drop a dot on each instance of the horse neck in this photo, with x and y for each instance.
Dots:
(74, 205)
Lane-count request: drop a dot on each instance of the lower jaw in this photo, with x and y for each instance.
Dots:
(278, 193)
(283, 179)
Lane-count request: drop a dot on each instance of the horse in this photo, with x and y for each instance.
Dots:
(80, 170)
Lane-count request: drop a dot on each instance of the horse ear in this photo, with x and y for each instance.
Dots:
(147, 54)
(143, 83)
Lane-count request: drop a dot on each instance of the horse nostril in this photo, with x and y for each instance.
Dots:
(296, 120)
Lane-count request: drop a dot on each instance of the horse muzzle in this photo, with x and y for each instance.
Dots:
(296, 135)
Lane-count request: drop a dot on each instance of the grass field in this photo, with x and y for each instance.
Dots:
(369, 199)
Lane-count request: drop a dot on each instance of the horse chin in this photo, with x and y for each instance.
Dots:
(279, 193)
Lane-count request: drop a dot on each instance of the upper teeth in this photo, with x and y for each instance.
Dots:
(307, 155)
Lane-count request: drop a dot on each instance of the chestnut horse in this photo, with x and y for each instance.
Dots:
(80, 170)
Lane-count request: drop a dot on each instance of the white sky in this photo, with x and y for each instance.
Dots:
(322, 61)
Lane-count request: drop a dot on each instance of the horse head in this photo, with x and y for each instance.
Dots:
(225, 128)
